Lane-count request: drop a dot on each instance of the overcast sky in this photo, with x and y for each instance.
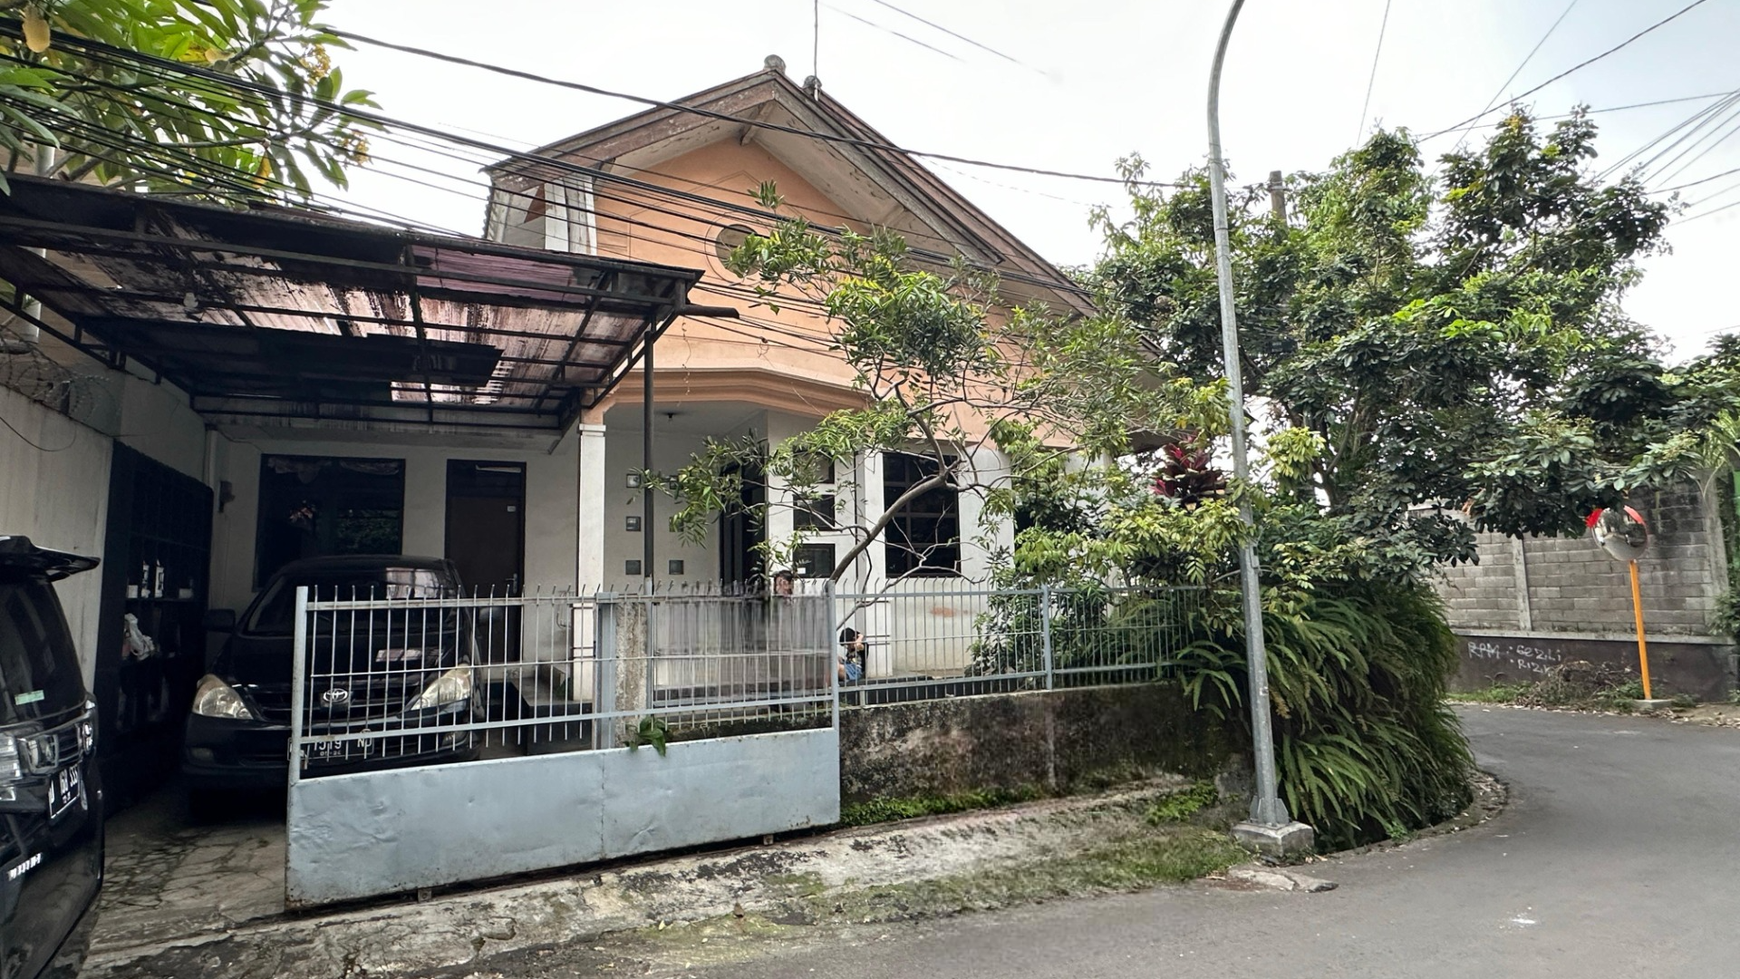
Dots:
(1074, 86)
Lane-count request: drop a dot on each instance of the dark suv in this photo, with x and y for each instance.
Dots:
(376, 672)
(51, 818)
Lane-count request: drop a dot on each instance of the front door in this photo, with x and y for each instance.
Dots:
(486, 541)
(486, 524)
(741, 528)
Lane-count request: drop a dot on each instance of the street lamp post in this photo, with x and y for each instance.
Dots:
(1270, 826)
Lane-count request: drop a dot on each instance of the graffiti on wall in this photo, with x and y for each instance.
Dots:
(1514, 654)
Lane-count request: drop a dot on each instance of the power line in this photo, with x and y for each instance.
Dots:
(1697, 120)
(908, 38)
(1576, 67)
(1733, 125)
(229, 83)
(1639, 105)
(1519, 68)
(1694, 183)
(885, 147)
(957, 36)
(1704, 214)
(1714, 194)
(1371, 81)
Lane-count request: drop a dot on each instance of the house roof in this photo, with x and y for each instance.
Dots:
(850, 165)
(288, 314)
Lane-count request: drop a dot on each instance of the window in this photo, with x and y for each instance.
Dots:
(314, 506)
(39, 673)
(924, 537)
(815, 512)
(813, 561)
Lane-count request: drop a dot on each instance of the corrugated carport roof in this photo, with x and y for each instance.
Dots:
(285, 314)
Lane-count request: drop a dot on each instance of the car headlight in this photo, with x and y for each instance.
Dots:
(11, 768)
(215, 698)
(395, 654)
(448, 688)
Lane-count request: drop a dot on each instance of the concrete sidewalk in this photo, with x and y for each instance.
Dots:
(912, 868)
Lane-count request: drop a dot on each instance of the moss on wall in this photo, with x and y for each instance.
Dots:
(1025, 744)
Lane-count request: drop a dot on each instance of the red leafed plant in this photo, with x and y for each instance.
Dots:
(1186, 474)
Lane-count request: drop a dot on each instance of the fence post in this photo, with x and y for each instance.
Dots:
(604, 653)
(298, 681)
(826, 621)
(1045, 631)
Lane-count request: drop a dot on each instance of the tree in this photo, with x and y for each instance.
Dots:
(945, 373)
(235, 98)
(1448, 345)
(1413, 347)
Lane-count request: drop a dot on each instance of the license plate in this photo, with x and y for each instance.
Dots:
(341, 750)
(66, 789)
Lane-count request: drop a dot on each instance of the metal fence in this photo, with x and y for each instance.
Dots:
(728, 701)
(394, 681)
(932, 638)
(383, 682)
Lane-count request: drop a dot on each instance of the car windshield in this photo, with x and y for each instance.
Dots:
(273, 614)
(39, 671)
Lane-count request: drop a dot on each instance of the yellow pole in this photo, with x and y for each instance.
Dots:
(1642, 646)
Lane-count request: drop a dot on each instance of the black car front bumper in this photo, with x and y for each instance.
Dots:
(227, 754)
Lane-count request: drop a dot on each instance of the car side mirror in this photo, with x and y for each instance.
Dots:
(220, 620)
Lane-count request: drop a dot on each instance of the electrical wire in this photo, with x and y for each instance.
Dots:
(1696, 121)
(686, 216)
(1704, 214)
(1371, 80)
(1576, 67)
(956, 35)
(40, 448)
(879, 145)
(1638, 105)
(230, 86)
(1694, 183)
(1519, 70)
(1664, 172)
(891, 31)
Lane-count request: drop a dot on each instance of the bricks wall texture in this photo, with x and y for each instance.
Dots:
(1575, 587)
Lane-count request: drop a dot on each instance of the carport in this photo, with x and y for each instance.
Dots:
(309, 327)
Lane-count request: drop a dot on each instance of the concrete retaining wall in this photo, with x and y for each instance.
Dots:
(1702, 668)
(1052, 741)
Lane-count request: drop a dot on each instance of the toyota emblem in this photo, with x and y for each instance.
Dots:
(335, 697)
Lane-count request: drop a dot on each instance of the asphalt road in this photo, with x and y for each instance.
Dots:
(1617, 856)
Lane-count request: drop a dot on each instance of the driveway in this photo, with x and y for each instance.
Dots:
(1617, 856)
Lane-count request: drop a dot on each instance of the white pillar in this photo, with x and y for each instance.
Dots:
(589, 515)
(870, 573)
(590, 505)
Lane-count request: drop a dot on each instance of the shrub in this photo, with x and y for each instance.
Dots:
(1365, 747)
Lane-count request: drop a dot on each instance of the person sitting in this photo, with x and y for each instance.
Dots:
(851, 658)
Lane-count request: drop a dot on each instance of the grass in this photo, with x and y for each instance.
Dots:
(1157, 856)
(1181, 805)
(1498, 693)
(1574, 685)
(913, 807)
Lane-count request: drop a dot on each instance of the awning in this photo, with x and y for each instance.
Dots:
(283, 314)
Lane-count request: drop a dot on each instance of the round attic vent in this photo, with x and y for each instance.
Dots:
(728, 238)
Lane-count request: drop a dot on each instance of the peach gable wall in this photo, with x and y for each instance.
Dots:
(776, 359)
(644, 228)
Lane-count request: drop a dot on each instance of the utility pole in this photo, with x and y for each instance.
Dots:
(1278, 197)
(1270, 828)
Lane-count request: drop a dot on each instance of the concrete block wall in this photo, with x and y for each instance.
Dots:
(1552, 586)
(1532, 604)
